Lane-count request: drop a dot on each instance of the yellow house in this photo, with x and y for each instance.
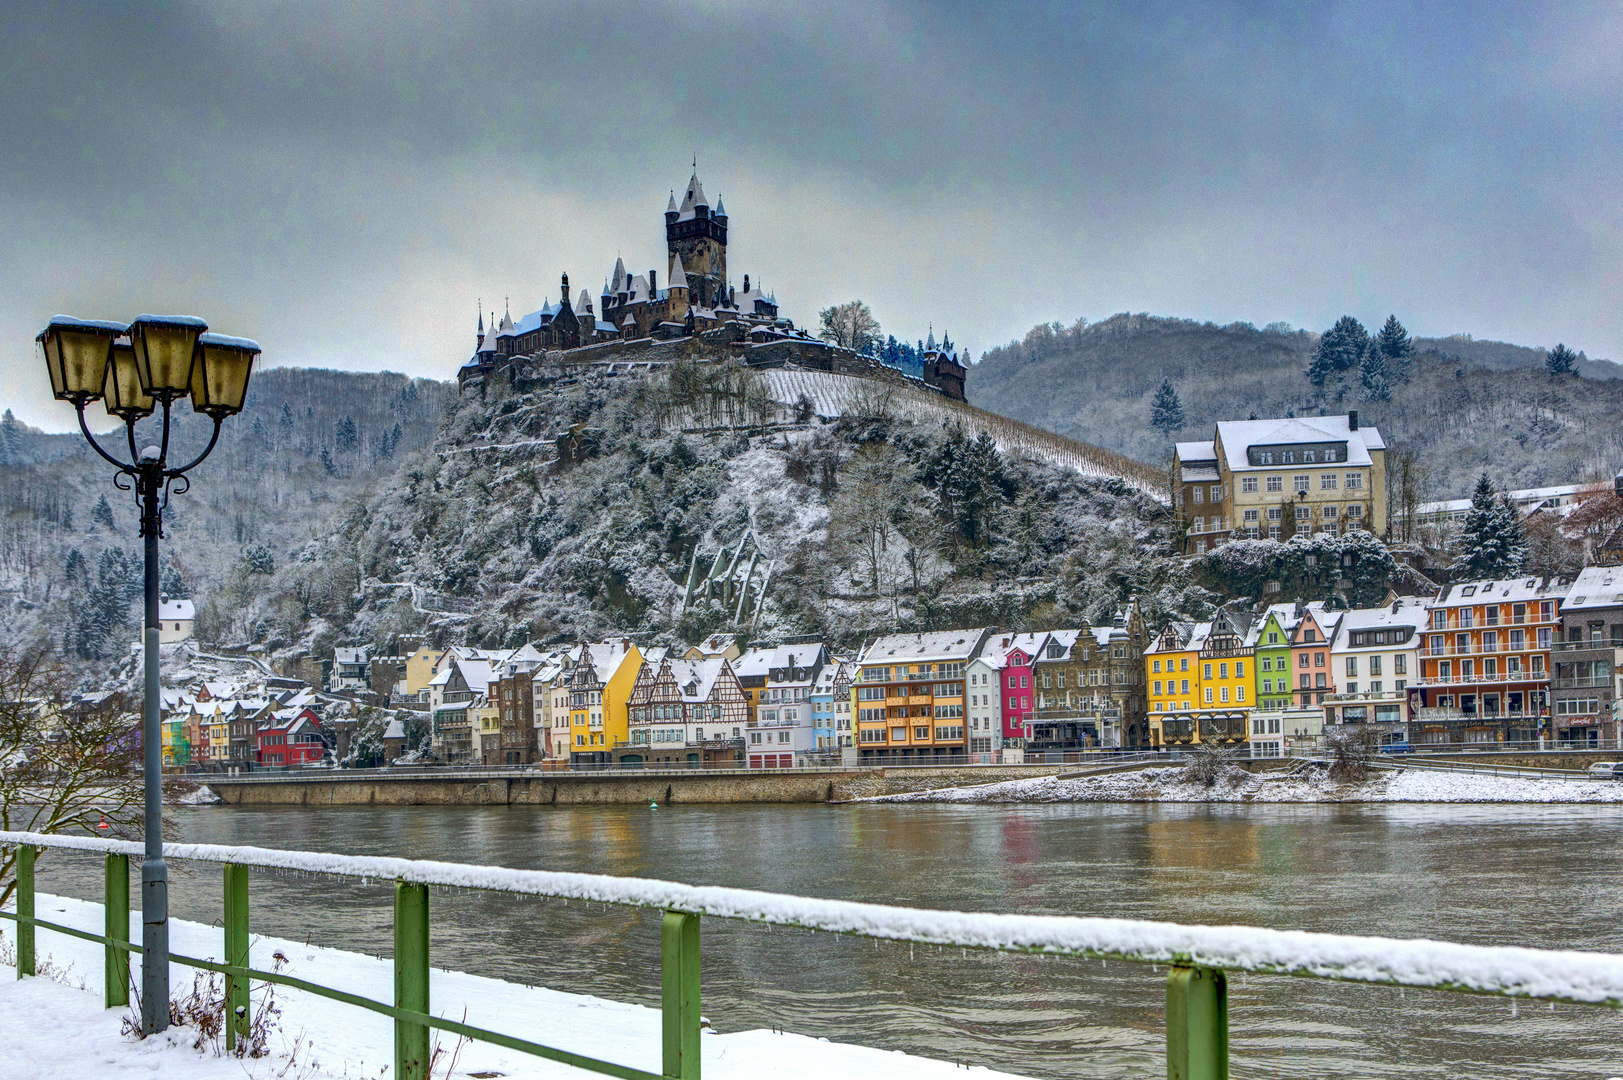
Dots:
(421, 667)
(599, 696)
(1201, 683)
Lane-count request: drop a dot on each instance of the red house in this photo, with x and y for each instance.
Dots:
(290, 738)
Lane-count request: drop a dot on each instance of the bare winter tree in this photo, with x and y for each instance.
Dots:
(850, 325)
(66, 765)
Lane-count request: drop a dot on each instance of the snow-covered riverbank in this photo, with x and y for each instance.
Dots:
(1306, 786)
(58, 1029)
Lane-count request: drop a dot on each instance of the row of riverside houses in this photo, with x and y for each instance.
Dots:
(904, 698)
(222, 726)
(1525, 660)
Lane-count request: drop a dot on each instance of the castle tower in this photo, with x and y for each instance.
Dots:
(699, 239)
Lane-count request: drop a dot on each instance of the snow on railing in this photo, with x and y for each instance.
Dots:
(1581, 977)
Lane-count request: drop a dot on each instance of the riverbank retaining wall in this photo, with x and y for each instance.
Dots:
(579, 789)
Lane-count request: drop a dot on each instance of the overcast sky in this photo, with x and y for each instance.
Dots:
(347, 182)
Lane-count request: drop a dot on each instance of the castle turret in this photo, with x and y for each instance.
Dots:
(699, 239)
(565, 300)
(671, 212)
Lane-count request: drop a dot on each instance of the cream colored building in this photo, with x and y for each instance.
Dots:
(421, 667)
(1273, 479)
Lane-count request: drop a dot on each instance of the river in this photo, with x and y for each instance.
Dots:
(1522, 875)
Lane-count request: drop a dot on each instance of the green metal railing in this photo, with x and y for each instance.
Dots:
(1197, 1036)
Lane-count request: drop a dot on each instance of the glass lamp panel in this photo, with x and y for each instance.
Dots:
(220, 376)
(76, 354)
(165, 347)
(123, 395)
(53, 361)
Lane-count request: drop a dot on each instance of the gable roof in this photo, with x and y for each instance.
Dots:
(1239, 435)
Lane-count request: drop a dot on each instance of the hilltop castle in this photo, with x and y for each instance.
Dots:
(697, 297)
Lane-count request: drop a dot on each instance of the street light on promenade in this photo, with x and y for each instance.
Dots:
(134, 370)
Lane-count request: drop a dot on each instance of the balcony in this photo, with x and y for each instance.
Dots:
(1503, 678)
(1596, 645)
(1495, 649)
(1586, 682)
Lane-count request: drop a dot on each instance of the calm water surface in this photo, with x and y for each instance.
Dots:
(1539, 876)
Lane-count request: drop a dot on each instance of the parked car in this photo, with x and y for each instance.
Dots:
(1606, 770)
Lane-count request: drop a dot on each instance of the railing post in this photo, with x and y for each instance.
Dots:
(679, 994)
(236, 955)
(1197, 1024)
(25, 910)
(115, 907)
(411, 1056)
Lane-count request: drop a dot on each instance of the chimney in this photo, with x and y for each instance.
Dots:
(1352, 420)
(653, 291)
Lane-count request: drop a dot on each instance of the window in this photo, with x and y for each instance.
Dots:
(1157, 687)
(1318, 659)
(1327, 481)
(1185, 687)
(1013, 682)
(1267, 686)
(1251, 517)
(1301, 482)
(1248, 485)
(1354, 481)
(1239, 693)
(1330, 513)
(1399, 685)
(1217, 493)
(1208, 695)
(1400, 665)
(871, 735)
(1352, 688)
(1025, 681)
(1352, 665)
(1183, 664)
(1304, 513)
(1157, 667)
(1309, 457)
(1276, 483)
(1356, 510)
(1239, 669)
(1014, 703)
(1206, 672)
(1199, 495)
(921, 732)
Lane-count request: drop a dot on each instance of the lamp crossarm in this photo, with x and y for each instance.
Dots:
(96, 446)
(174, 474)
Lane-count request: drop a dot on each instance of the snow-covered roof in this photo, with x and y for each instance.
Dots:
(1595, 587)
(1526, 498)
(1400, 615)
(721, 210)
(679, 277)
(1514, 590)
(1237, 436)
(1196, 451)
(177, 609)
(617, 282)
(694, 197)
(395, 730)
(938, 645)
(583, 302)
(607, 327)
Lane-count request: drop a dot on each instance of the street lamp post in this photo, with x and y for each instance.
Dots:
(135, 369)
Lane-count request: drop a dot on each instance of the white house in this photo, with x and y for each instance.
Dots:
(175, 620)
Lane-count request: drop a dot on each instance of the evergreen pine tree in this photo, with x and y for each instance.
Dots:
(1512, 536)
(1560, 361)
(1395, 345)
(1340, 350)
(1372, 374)
(346, 435)
(1166, 411)
(173, 584)
(103, 514)
(1491, 544)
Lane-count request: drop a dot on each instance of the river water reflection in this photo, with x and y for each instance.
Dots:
(1538, 876)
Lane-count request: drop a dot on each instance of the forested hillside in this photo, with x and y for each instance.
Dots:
(1466, 407)
(577, 503)
(306, 442)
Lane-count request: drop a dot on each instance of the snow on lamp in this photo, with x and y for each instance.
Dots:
(165, 348)
(220, 374)
(76, 355)
(122, 392)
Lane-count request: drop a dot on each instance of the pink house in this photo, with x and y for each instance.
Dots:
(1016, 689)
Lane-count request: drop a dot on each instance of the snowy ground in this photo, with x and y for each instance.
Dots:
(1307, 786)
(55, 1030)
